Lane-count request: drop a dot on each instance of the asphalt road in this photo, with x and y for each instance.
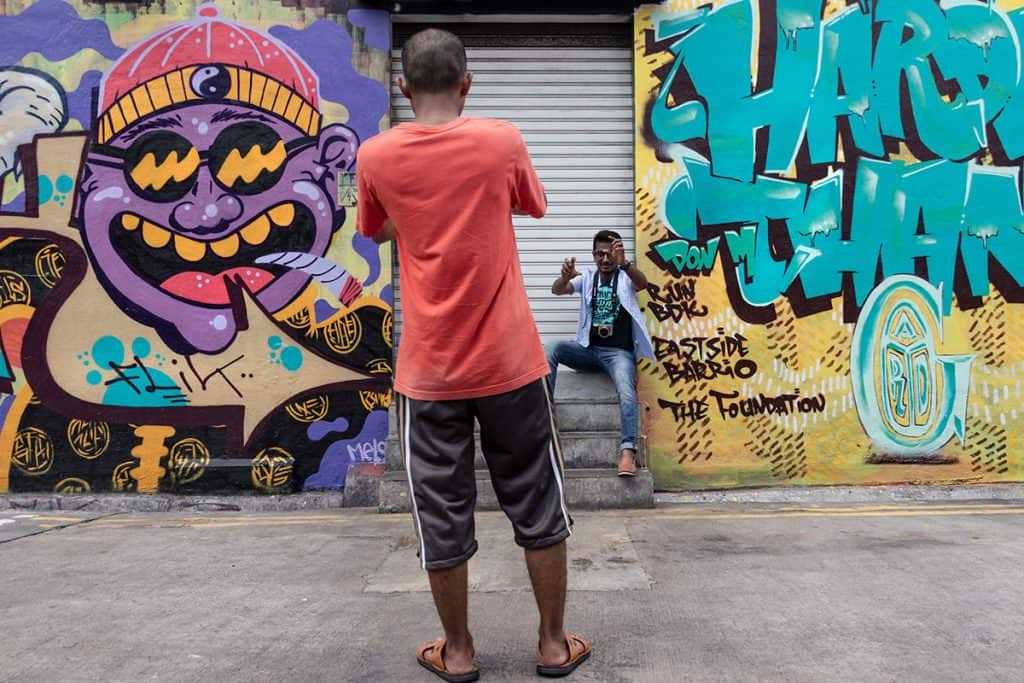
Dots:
(918, 592)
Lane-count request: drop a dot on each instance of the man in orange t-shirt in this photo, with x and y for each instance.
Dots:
(445, 188)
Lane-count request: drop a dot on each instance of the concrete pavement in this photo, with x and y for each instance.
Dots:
(742, 592)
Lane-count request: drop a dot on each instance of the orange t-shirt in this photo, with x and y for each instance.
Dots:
(450, 190)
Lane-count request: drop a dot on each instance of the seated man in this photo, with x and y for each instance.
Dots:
(611, 333)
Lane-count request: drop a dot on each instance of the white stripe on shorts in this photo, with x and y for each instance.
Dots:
(555, 462)
(407, 420)
(561, 491)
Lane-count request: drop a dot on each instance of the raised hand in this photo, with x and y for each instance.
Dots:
(618, 252)
(569, 269)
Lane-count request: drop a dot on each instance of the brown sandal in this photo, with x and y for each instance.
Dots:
(579, 652)
(431, 657)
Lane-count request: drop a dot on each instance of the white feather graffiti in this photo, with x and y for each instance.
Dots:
(31, 103)
(333, 277)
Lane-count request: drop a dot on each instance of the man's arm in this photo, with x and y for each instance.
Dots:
(371, 218)
(563, 285)
(636, 276)
(528, 195)
(385, 234)
(516, 211)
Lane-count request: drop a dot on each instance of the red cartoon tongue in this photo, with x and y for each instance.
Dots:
(211, 289)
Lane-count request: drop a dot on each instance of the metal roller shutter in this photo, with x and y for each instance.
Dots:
(574, 106)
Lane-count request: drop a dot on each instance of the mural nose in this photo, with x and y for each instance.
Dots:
(205, 213)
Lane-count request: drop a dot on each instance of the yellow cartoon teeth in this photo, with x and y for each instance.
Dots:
(257, 231)
(189, 249)
(154, 235)
(255, 234)
(283, 215)
(227, 247)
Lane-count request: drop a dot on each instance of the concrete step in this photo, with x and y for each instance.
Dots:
(584, 386)
(584, 489)
(572, 415)
(584, 402)
(579, 450)
(578, 415)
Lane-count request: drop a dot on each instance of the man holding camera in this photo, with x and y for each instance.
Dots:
(611, 333)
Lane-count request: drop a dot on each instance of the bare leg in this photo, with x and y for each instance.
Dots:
(450, 589)
(548, 576)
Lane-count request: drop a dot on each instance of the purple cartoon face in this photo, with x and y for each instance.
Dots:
(178, 207)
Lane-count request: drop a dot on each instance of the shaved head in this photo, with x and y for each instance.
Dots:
(433, 61)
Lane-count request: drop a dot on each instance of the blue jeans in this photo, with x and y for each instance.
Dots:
(618, 364)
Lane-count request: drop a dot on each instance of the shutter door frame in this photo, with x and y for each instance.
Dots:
(583, 154)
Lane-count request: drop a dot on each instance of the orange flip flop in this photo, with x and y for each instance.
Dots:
(431, 657)
(579, 652)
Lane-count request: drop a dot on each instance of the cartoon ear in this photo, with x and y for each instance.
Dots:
(337, 147)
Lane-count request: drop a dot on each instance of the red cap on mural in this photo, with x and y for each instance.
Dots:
(208, 58)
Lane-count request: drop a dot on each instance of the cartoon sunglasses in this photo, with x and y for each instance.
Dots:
(163, 166)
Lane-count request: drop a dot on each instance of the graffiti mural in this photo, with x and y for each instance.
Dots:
(184, 302)
(830, 195)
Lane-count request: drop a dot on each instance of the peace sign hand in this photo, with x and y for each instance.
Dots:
(569, 269)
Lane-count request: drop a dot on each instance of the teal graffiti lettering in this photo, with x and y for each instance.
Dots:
(945, 81)
(734, 111)
(684, 256)
(893, 358)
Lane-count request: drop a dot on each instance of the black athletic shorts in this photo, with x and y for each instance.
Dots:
(520, 443)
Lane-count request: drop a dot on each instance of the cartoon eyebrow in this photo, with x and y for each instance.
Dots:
(230, 115)
(162, 122)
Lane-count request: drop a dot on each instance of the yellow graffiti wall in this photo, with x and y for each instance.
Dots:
(828, 207)
(184, 302)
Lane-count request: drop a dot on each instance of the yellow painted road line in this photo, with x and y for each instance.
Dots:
(262, 522)
(240, 521)
(210, 524)
(50, 518)
(907, 512)
(768, 507)
(114, 522)
(212, 518)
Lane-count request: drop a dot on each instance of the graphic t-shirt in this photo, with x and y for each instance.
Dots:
(606, 305)
(608, 311)
(450, 190)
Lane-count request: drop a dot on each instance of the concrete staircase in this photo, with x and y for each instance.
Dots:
(587, 413)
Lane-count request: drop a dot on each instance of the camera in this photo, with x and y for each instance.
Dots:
(604, 331)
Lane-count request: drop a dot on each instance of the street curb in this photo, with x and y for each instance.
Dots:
(331, 500)
(904, 493)
(132, 502)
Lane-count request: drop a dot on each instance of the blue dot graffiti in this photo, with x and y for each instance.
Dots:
(288, 356)
(131, 381)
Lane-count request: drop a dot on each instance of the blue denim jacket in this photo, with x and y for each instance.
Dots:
(583, 284)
